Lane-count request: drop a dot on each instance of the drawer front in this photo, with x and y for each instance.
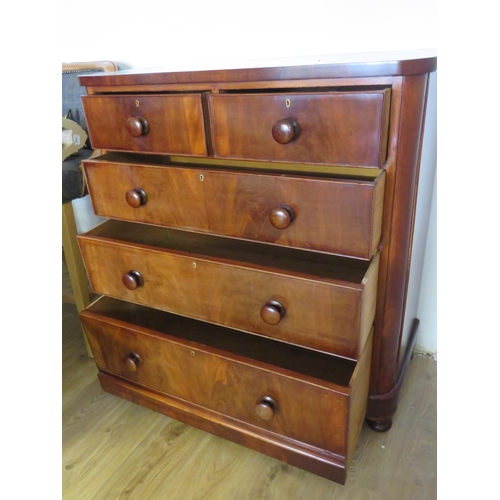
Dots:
(345, 128)
(335, 216)
(170, 124)
(327, 316)
(304, 411)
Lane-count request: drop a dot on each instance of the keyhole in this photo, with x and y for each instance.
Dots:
(287, 102)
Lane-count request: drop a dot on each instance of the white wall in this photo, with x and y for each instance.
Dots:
(422, 293)
(200, 35)
(427, 304)
(182, 34)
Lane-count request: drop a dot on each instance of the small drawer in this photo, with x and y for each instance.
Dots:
(318, 301)
(344, 128)
(166, 124)
(307, 396)
(340, 216)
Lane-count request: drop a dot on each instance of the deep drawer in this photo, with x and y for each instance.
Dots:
(167, 124)
(306, 396)
(319, 301)
(346, 128)
(340, 216)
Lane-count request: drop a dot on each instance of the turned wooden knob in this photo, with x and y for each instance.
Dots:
(136, 197)
(132, 279)
(266, 408)
(132, 362)
(281, 217)
(137, 126)
(285, 131)
(272, 312)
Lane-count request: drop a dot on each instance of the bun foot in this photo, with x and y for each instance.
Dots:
(380, 425)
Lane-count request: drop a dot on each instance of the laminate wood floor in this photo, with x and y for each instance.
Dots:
(114, 449)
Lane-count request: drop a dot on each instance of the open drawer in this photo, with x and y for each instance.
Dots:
(324, 213)
(292, 403)
(166, 124)
(318, 301)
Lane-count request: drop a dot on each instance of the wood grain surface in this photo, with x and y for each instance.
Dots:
(112, 448)
(311, 410)
(345, 128)
(280, 74)
(321, 313)
(335, 216)
(174, 123)
(233, 118)
(408, 112)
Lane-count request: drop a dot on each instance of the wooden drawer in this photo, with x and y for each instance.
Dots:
(346, 128)
(307, 396)
(170, 124)
(337, 216)
(318, 301)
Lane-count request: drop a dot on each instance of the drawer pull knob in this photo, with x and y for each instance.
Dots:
(137, 126)
(272, 312)
(281, 217)
(132, 279)
(266, 408)
(136, 197)
(285, 131)
(132, 362)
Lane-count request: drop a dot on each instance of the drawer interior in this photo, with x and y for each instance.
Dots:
(300, 262)
(292, 360)
(261, 167)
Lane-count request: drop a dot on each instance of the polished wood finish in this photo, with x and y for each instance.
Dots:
(132, 362)
(284, 210)
(399, 212)
(262, 351)
(269, 194)
(137, 126)
(292, 401)
(132, 279)
(346, 128)
(272, 312)
(382, 407)
(215, 380)
(323, 312)
(136, 197)
(158, 124)
(285, 131)
(319, 72)
(266, 408)
(290, 451)
(281, 217)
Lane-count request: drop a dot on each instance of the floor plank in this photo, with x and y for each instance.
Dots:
(113, 449)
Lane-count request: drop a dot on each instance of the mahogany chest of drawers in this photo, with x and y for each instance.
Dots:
(254, 264)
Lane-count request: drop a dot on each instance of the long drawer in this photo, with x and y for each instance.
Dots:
(335, 127)
(314, 300)
(340, 216)
(168, 124)
(307, 396)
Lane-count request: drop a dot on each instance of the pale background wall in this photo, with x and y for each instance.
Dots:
(201, 35)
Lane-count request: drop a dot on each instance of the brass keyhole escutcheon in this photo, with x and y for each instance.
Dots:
(136, 104)
(202, 177)
(287, 102)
